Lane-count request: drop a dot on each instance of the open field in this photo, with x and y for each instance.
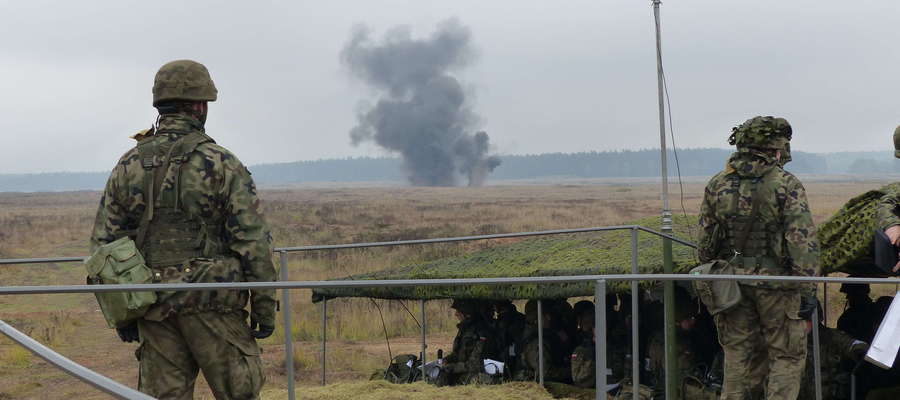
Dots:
(58, 224)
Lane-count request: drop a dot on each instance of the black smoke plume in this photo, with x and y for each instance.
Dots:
(421, 112)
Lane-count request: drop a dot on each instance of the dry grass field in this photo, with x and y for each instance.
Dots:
(58, 224)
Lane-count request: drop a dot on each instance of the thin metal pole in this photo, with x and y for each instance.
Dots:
(288, 327)
(600, 334)
(424, 343)
(817, 363)
(669, 287)
(88, 376)
(825, 303)
(540, 323)
(635, 317)
(324, 335)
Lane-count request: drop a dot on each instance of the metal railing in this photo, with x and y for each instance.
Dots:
(286, 285)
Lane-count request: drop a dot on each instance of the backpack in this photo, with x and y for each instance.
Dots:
(404, 368)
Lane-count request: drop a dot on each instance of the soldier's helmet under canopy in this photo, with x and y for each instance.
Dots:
(183, 80)
(468, 307)
(764, 133)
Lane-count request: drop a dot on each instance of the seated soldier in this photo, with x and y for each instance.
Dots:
(473, 343)
(565, 325)
(508, 326)
(858, 317)
(555, 361)
(839, 354)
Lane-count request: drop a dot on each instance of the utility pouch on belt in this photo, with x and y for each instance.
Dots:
(120, 262)
(718, 296)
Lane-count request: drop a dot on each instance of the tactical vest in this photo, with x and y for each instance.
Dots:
(750, 234)
(167, 236)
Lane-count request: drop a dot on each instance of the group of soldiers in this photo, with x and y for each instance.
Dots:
(191, 209)
(496, 330)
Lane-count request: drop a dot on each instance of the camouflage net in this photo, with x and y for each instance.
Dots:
(559, 255)
(846, 238)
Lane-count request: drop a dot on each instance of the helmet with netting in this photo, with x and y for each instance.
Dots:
(183, 80)
(762, 133)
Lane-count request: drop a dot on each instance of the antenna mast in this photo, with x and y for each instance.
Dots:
(669, 289)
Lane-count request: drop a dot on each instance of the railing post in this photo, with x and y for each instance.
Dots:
(324, 335)
(635, 316)
(817, 364)
(424, 344)
(600, 335)
(288, 336)
(825, 303)
(540, 327)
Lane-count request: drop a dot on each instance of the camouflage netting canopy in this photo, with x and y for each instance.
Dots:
(559, 255)
(846, 238)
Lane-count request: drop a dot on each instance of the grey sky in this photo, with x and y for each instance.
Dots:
(566, 76)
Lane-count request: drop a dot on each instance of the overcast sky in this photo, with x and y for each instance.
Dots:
(548, 76)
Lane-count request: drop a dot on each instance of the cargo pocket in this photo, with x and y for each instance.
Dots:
(245, 375)
(795, 326)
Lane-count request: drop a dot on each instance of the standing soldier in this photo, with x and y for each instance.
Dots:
(191, 208)
(755, 216)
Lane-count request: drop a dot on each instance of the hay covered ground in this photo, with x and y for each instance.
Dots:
(58, 224)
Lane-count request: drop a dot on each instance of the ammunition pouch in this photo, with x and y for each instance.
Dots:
(718, 296)
(120, 262)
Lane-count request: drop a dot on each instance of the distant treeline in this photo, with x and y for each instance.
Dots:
(606, 164)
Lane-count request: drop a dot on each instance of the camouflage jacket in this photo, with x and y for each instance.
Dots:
(217, 189)
(887, 208)
(837, 363)
(508, 328)
(556, 362)
(789, 235)
(472, 344)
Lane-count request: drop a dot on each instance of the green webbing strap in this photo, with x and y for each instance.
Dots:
(154, 179)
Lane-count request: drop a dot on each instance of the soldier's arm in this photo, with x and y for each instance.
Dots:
(886, 213)
(250, 238)
(709, 226)
(111, 221)
(801, 242)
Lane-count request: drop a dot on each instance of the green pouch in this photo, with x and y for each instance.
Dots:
(718, 296)
(120, 262)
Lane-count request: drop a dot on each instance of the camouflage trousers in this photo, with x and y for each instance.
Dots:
(174, 350)
(765, 344)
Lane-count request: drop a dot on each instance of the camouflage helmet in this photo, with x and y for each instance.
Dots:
(897, 142)
(183, 80)
(761, 133)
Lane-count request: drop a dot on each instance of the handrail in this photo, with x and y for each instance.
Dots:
(88, 376)
(55, 289)
(404, 242)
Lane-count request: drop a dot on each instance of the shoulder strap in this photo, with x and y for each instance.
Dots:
(153, 180)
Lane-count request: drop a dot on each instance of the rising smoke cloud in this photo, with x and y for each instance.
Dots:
(421, 112)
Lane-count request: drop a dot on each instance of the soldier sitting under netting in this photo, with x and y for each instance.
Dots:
(474, 342)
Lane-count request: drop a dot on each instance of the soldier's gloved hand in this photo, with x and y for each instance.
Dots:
(808, 305)
(129, 333)
(858, 350)
(260, 331)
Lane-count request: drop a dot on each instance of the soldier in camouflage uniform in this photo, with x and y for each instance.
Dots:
(755, 216)
(508, 329)
(191, 207)
(473, 343)
(556, 368)
(888, 215)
